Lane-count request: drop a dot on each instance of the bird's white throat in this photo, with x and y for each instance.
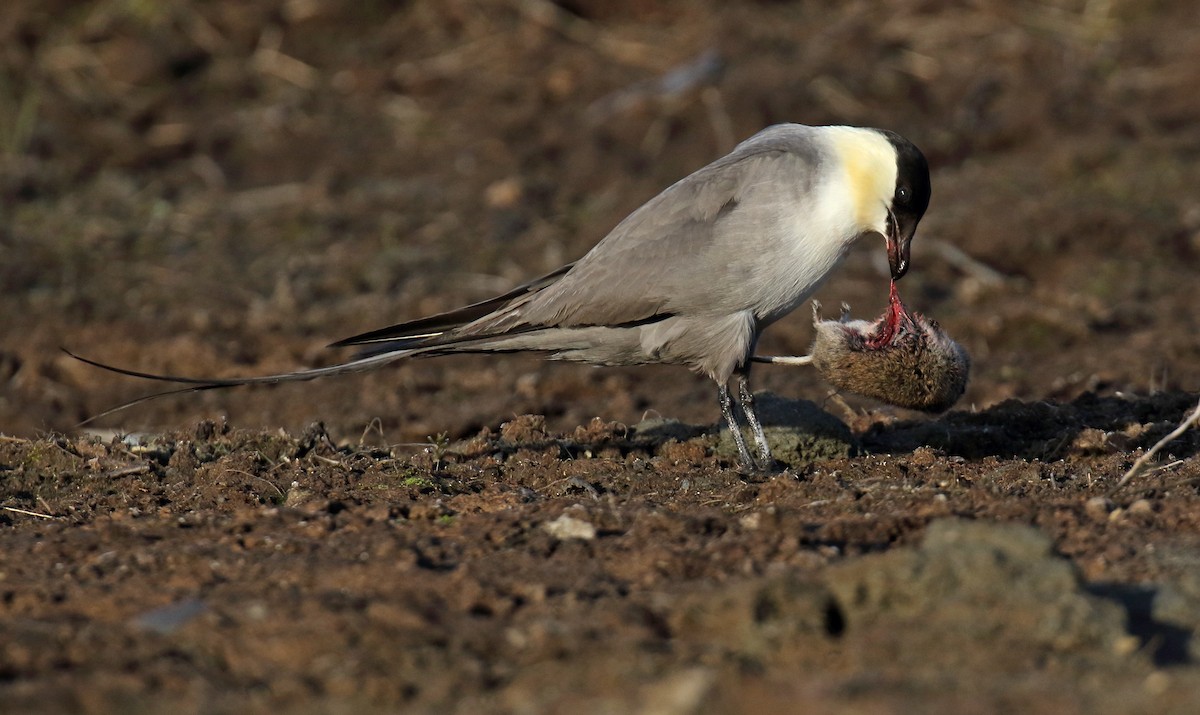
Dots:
(867, 181)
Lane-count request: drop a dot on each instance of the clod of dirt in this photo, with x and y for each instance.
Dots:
(755, 619)
(798, 431)
(972, 582)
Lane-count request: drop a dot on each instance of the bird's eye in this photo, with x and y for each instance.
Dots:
(902, 194)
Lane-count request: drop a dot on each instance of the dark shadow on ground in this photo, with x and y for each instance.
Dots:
(1045, 430)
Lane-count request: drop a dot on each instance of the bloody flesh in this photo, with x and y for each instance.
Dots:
(892, 322)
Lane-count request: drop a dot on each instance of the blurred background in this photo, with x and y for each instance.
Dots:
(224, 187)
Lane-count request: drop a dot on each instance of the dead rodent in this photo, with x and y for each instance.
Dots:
(902, 359)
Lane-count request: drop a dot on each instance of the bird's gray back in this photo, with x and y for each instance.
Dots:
(704, 246)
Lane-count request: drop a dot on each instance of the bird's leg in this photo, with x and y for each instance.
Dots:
(746, 398)
(735, 430)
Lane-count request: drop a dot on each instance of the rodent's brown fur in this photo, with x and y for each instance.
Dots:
(922, 368)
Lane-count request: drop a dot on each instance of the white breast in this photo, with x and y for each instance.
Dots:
(812, 237)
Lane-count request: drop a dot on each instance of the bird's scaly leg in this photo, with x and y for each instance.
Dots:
(735, 430)
(746, 398)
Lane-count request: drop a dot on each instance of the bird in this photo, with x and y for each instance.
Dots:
(690, 278)
(901, 358)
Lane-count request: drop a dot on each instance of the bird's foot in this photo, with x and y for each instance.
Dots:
(758, 469)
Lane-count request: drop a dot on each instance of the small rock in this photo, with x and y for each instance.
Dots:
(505, 193)
(679, 693)
(568, 527)
(1126, 646)
(1157, 683)
(1097, 508)
(297, 496)
(171, 617)
(1141, 507)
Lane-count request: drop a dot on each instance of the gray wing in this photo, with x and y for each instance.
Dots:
(667, 256)
(413, 331)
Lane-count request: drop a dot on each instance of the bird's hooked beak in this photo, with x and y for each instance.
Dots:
(899, 244)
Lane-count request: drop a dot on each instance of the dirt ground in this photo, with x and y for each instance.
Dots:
(223, 188)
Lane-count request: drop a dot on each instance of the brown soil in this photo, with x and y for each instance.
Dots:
(223, 188)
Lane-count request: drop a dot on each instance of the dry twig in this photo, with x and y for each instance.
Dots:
(967, 263)
(1140, 464)
(26, 512)
(128, 471)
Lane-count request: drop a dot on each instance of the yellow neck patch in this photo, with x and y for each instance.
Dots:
(869, 165)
